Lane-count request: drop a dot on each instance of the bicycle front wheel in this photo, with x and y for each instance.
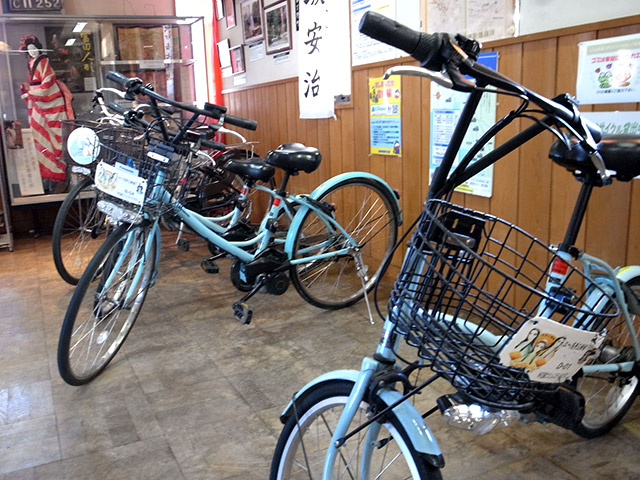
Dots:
(106, 303)
(306, 436)
(609, 395)
(365, 211)
(78, 231)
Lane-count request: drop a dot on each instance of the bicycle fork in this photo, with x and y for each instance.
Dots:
(413, 423)
(132, 241)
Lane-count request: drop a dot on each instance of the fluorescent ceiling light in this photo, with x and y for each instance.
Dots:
(79, 27)
(70, 42)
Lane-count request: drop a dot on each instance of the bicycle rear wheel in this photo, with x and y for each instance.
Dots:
(106, 303)
(365, 211)
(306, 436)
(79, 229)
(609, 396)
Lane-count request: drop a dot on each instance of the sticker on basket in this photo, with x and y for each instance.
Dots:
(158, 157)
(83, 145)
(120, 183)
(549, 351)
(126, 168)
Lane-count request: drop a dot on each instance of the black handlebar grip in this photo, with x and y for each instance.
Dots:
(117, 108)
(117, 77)
(214, 145)
(212, 107)
(423, 47)
(241, 122)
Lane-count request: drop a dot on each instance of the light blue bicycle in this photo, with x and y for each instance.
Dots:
(333, 250)
(511, 323)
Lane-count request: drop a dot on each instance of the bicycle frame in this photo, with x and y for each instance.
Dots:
(211, 230)
(446, 178)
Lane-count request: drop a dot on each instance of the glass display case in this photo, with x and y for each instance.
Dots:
(50, 67)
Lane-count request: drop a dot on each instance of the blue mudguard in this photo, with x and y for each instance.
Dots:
(421, 437)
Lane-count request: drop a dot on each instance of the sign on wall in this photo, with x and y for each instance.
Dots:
(446, 107)
(323, 57)
(616, 123)
(609, 70)
(35, 6)
(385, 122)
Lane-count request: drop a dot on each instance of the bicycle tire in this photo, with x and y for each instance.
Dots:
(607, 404)
(364, 209)
(78, 231)
(314, 416)
(92, 306)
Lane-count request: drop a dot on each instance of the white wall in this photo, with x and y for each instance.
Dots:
(543, 15)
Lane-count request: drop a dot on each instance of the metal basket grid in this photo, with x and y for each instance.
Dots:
(131, 147)
(469, 280)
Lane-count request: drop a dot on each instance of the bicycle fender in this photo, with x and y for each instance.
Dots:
(411, 420)
(324, 187)
(627, 273)
(336, 375)
(624, 275)
(420, 435)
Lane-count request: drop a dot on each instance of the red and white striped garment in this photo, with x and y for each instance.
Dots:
(48, 106)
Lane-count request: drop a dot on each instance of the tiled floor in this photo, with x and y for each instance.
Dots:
(195, 395)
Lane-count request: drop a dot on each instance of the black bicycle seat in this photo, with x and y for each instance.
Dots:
(620, 153)
(294, 157)
(255, 168)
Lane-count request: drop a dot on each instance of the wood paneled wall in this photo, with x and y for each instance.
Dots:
(528, 188)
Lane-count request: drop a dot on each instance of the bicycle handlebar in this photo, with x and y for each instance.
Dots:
(422, 46)
(134, 116)
(245, 123)
(217, 112)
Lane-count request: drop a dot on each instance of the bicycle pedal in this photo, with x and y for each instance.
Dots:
(183, 245)
(209, 266)
(242, 313)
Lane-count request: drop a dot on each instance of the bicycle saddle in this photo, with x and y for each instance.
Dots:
(621, 154)
(294, 157)
(255, 168)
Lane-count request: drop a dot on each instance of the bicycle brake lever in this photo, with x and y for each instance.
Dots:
(439, 77)
(598, 162)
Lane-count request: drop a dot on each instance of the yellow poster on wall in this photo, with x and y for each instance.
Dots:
(385, 121)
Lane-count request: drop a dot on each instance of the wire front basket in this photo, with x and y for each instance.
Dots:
(128, 166)
(468, 282)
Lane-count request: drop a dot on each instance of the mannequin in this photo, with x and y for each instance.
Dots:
(49, 102)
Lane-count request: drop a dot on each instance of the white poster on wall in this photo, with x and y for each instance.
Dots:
(323, 57)
(481, 20)
(609, 70)
(446, 108)
(27, 168)
(616, 123)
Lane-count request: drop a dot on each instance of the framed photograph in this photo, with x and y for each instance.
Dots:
(251, 18)
(219, 9)
(224, 54)
(277, 23)
(237, 59)
(230, 13)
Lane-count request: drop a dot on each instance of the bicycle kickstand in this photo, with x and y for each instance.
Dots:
(181, 242)
(362, 269)
(209, 264)
(241, 310)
